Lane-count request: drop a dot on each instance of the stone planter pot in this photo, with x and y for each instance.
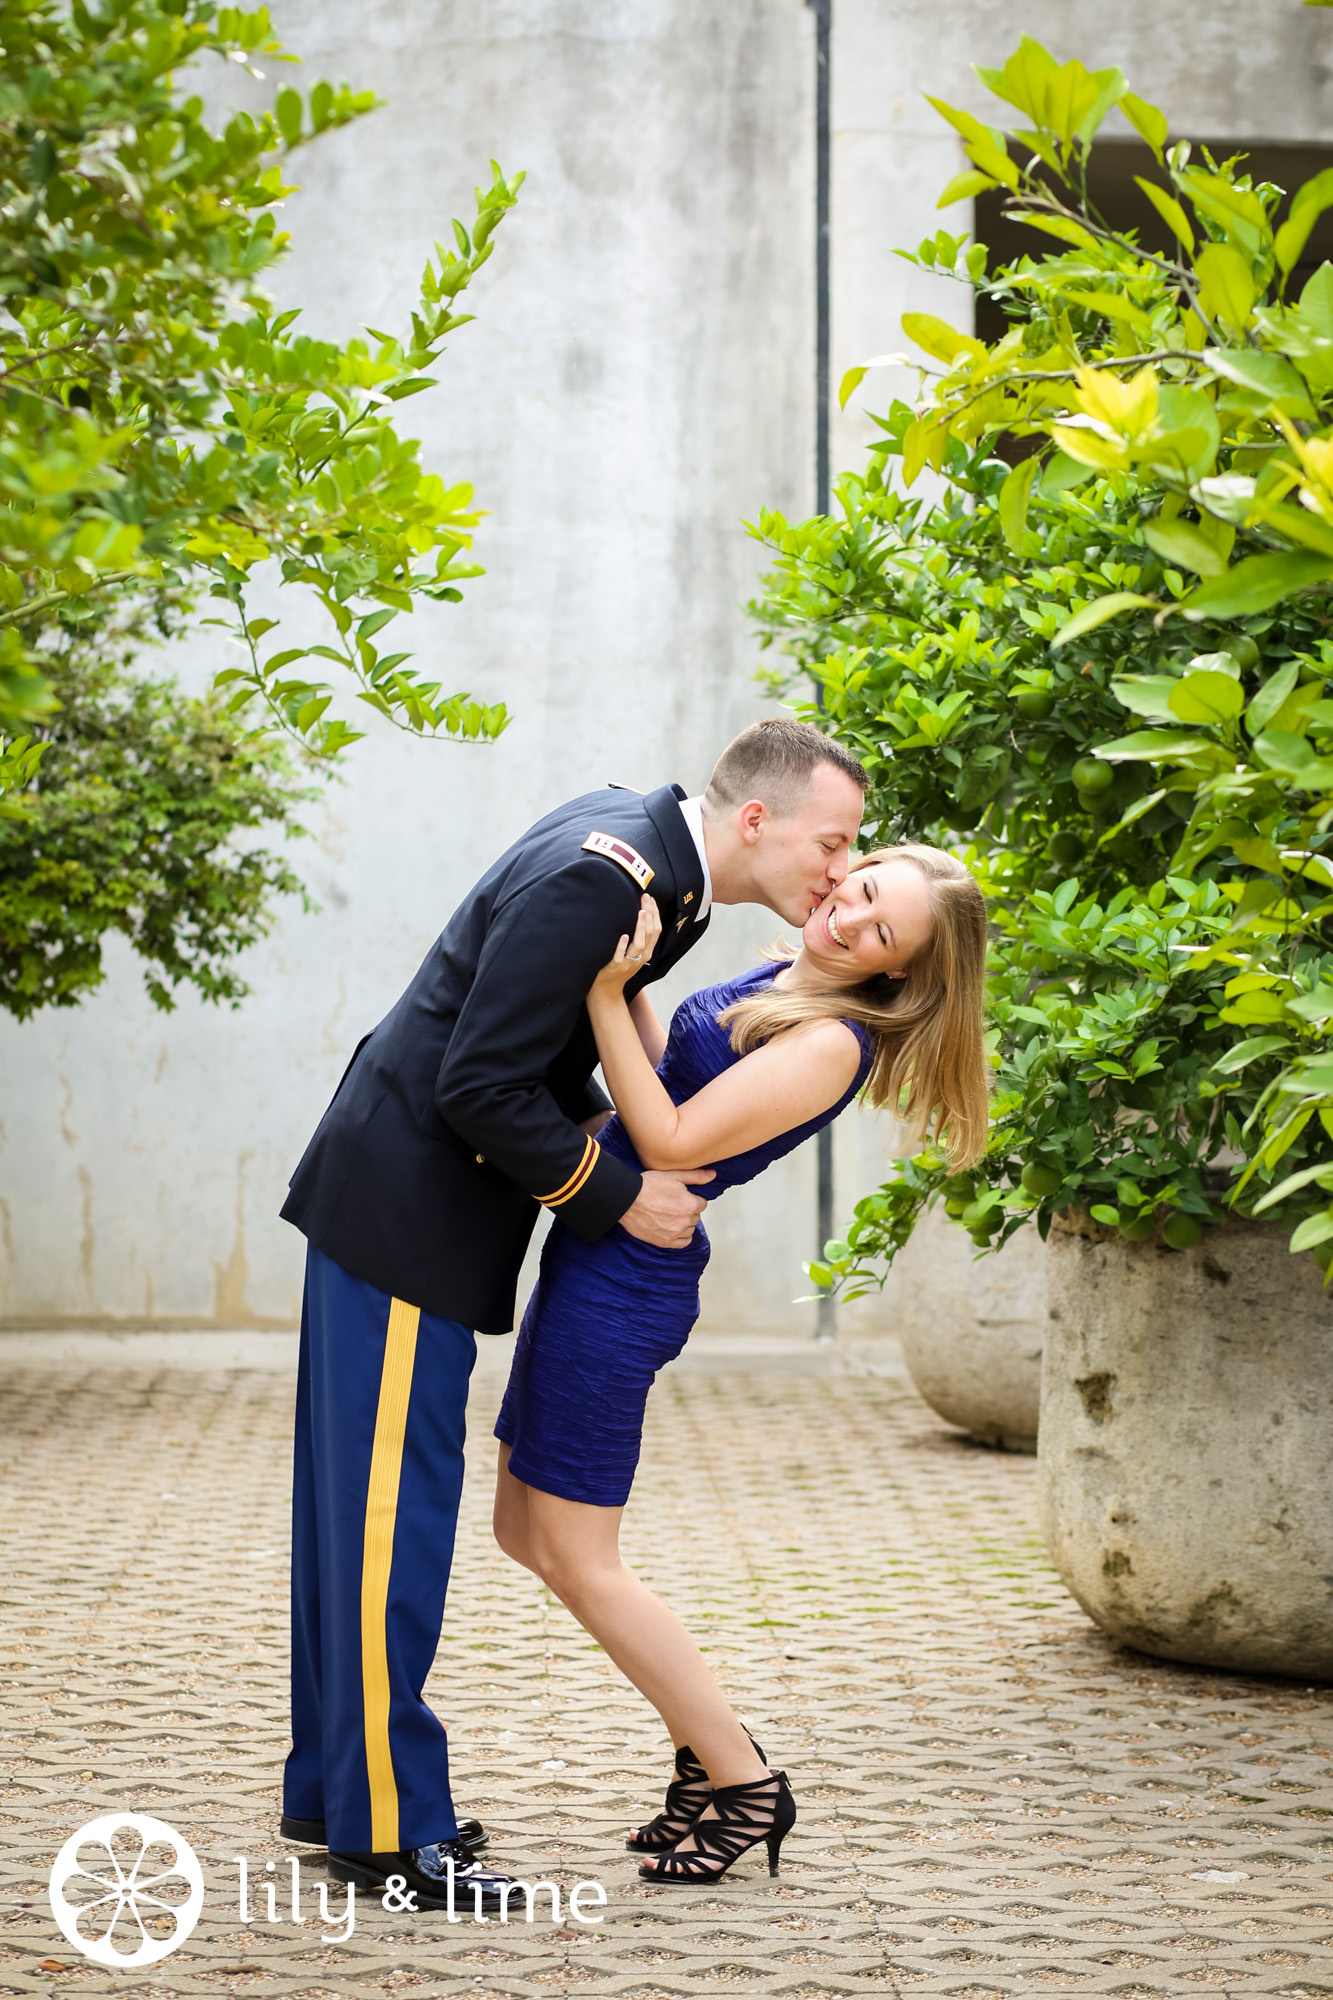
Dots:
(971, 1328)
(1186, 1424)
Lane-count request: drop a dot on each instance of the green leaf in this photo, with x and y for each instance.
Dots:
(1102, 1212)
(1097, 613)
(1013, 502)
(1112, 306)
(1147, 120)
(1246, 1052)
(1249, 1010)
(1268, 375)
(1315, 1228)
(288, 111)
(1226, 284)
(1294, 1182)
(1316, 301)
(966, 186)
(1188, 431)
(1308, 204)
(1146, 694)
(854, 377)
(1207, 697)
(1284, 750)
(1062, 473)
(1271, 697)
(1256, 584)
(850, 383)
(1180, 542)
(938, 338)
(1315, 1006)
(368, 627)
(1152, 746)
(1170, 210)
(1239, 210)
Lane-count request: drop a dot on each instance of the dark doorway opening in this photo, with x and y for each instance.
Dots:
(1112, 166)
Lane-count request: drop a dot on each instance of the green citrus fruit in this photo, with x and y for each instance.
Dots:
(1040, 1178)
(980, 1238)
(1181, 1231)
(1034, 704)
(1091, 775)
(955, 1207)
(1058, 1089)
(1065, 849)
(1244, 652)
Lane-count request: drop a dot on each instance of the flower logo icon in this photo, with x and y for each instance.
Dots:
(136, 1889)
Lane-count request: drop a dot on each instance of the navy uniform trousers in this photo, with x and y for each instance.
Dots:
(381, 1397)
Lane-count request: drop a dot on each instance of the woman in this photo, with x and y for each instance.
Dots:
(884, 994)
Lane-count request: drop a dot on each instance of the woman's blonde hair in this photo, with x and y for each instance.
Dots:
(929, 1063)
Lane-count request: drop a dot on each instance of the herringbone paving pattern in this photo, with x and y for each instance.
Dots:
(994, 1800)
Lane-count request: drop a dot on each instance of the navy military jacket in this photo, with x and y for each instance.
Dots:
(460, 1113)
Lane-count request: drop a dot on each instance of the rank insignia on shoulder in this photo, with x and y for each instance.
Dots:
(620, 850)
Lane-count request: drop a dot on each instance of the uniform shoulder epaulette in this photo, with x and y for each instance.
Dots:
(620, 850)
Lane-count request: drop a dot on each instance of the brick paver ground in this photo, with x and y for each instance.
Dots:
(994, 1800)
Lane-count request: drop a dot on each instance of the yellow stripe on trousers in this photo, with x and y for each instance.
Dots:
(386, 1465)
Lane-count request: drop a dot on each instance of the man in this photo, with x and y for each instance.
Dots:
(471, 1104)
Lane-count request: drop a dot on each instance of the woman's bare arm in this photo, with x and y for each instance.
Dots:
(650, 1030)
(781, 1085)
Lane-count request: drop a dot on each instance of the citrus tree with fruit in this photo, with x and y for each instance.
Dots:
(1074, 614)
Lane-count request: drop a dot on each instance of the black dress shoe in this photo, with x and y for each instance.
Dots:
(467, 1889)
(311, 1832)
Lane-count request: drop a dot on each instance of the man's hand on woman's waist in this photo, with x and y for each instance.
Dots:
(665, 1211)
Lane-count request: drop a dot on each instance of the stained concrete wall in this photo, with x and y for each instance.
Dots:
(638, 382)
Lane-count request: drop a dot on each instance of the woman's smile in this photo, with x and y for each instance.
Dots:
(874, 921)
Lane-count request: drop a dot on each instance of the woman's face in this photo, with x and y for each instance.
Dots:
(875, 921)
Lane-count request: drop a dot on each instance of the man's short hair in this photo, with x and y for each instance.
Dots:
(774, 761)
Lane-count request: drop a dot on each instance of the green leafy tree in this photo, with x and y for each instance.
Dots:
(164, 437)
(1101, 649)
(160, 424)
(141, 822)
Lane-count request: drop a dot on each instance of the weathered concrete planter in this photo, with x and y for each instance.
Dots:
(1186, 1436)
(971, 1328)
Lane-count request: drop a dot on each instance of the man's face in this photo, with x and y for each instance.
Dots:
(796, 861)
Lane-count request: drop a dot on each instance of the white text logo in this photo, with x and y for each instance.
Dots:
(126, 1889)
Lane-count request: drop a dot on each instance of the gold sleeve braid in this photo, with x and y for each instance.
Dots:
(591, 1152)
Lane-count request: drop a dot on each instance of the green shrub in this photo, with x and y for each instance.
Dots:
(1097, 650)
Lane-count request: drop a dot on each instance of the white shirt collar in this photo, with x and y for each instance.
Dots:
(692, 812)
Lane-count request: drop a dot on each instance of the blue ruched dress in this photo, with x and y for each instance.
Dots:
(605, 1316)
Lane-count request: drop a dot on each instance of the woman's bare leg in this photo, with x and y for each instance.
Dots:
(513, 1530)
(575, 1549)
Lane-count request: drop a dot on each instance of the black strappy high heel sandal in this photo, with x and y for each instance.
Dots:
(746, 1814)
(687, 1795)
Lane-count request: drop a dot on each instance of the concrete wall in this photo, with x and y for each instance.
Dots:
(638, 381)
